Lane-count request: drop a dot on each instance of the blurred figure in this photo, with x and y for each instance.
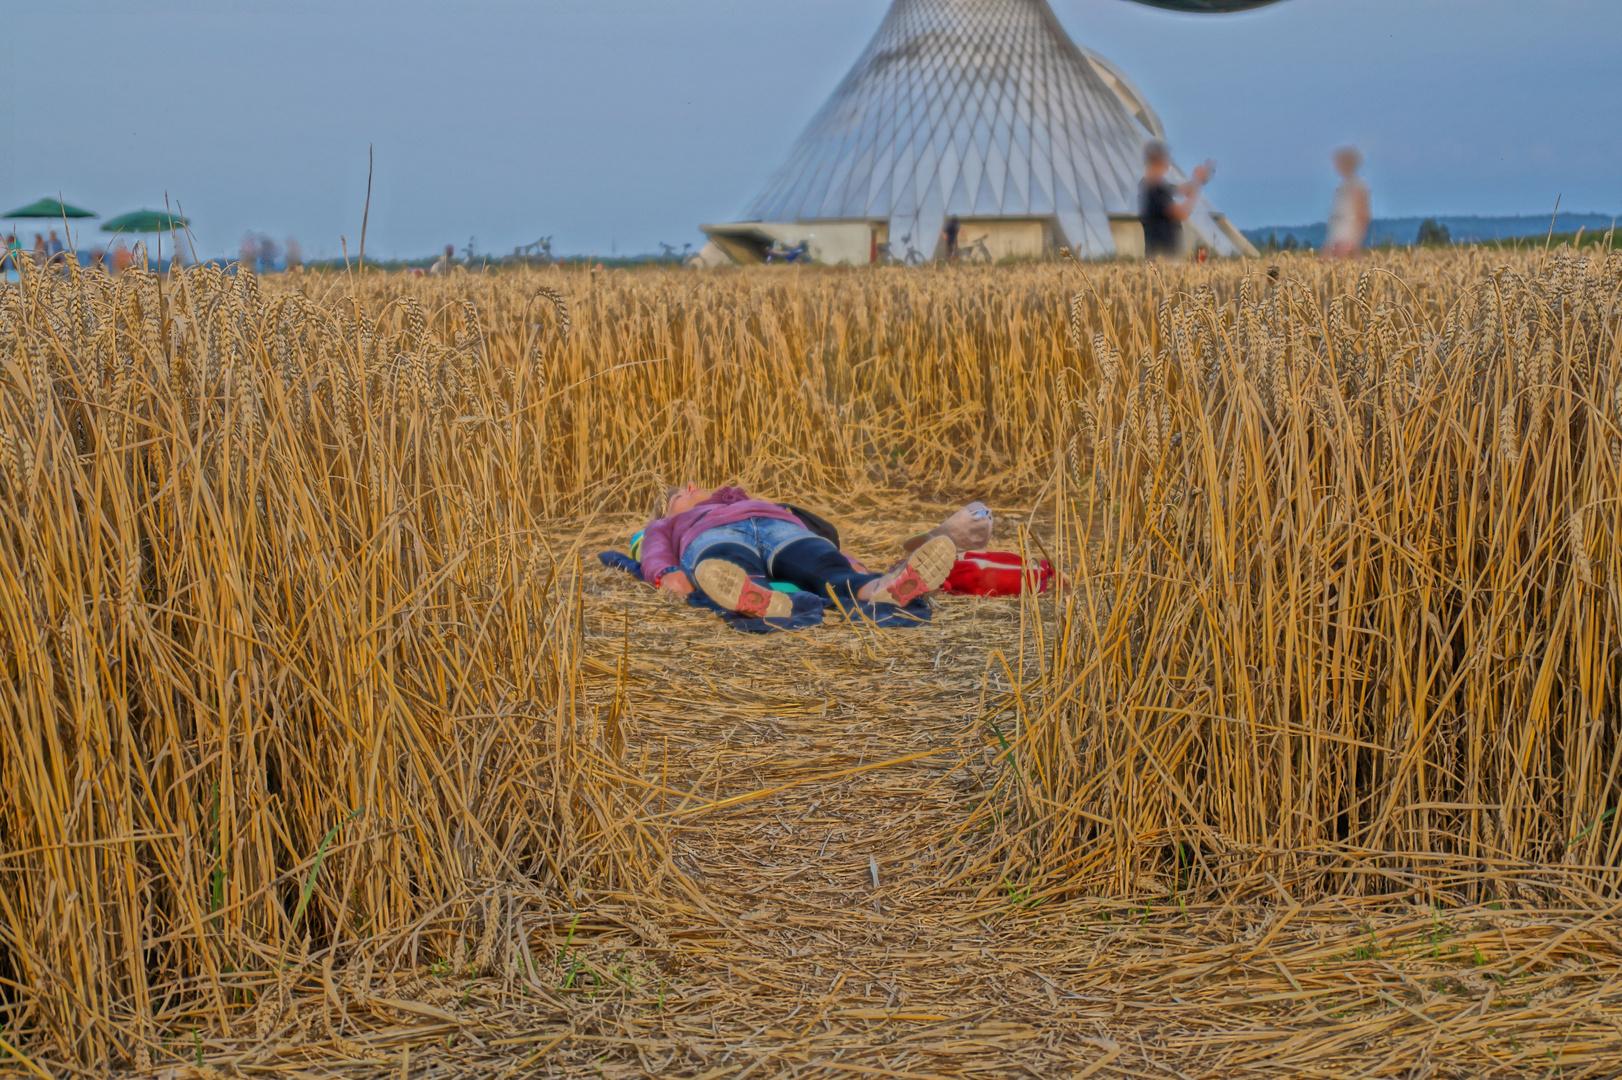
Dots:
(98, 257)
(41, 253)
(269, 251)
(950, 233)
(444, 264)
(1159, 212)
(293, 255)
(9, 261)
(1349, 213)
(248, 251)
(53, 248)
(123, 258)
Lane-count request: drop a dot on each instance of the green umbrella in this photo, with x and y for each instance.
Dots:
(48, 208)
(145, 221)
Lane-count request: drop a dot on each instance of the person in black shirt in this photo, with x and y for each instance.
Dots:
(949, 234)
(1160, 213)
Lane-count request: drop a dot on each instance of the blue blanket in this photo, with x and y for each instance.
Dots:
(807, 612)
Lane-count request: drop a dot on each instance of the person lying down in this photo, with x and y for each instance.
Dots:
(732, 547)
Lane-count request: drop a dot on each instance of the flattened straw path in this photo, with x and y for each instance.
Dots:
(786, 961)
(779, 957)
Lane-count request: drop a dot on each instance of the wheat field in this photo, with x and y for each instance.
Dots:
(313, 700)
(1346, 604)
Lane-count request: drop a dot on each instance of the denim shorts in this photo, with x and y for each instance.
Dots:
(765, 536)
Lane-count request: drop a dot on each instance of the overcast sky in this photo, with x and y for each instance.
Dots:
(613, 124)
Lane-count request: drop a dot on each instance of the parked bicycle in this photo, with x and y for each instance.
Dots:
(913, 256)
(539, 252)
(976, 251)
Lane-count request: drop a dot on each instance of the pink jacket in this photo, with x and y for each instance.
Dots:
(666, 539)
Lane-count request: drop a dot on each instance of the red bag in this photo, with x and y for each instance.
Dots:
(996, 573)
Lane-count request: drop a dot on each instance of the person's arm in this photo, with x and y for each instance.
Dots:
(1365, 213)
(660, 564)
(1190, 190)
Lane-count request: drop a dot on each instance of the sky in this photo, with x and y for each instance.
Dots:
(612, 125)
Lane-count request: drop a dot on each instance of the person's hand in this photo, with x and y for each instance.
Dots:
(1204, 172)
(676, 582)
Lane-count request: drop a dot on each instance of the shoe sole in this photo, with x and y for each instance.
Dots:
(728, 585)
(925, 571)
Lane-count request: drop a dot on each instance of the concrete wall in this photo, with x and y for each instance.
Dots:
(1005, 238)
(851, 243)
(710, 256)
(1127, 232)
(839, 243)
(833, 243)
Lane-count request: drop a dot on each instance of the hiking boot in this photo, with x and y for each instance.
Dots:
(729, 585)
(924, 571)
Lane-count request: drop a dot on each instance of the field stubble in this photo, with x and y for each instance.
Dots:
(321, 745)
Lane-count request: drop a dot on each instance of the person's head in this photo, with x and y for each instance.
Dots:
(682, 499)
(1156, 158)
(53, 234)
(1348, 159)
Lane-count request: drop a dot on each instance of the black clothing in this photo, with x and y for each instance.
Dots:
(820, 526)
(1162, 233)
(812, 564)
(953, 226)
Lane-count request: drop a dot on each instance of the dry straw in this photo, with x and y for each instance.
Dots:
(295, 623)
(1353, 625)
(279, 688)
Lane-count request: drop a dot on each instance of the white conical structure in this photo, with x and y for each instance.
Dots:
(984, 109)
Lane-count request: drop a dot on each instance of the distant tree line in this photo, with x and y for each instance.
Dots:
(1289, 243)
(1432, 235)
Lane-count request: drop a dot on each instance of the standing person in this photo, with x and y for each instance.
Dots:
(1349, 210)
(9, 262)
(953, 227)
(123, 258)
(53, 247)
(443, 266)
(1159, 212)
(41, 253)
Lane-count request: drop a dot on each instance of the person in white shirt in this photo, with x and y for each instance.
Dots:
(1349, 213)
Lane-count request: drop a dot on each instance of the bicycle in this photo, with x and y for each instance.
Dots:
(976, 251)
(539, 252)
(913, 257)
